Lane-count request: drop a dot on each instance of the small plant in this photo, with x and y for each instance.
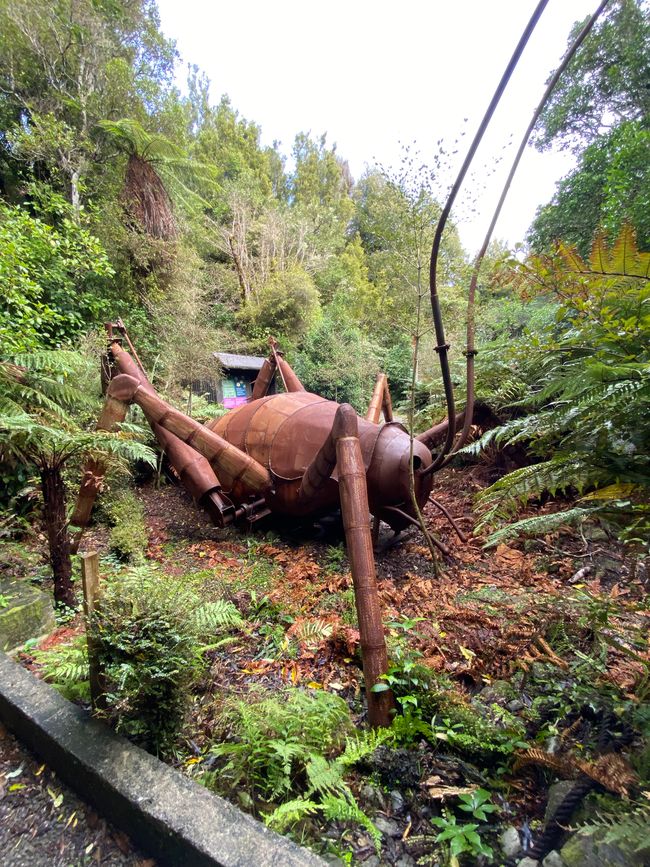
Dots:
(478, 804)
(460, 839)
(335, 558)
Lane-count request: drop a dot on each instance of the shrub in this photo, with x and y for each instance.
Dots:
(281, 751)
(150, 631)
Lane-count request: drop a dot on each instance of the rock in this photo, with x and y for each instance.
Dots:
(388, 827)
(553, 859)
(510, 842)
(515, 705)
(497, 692)
(373, 795)
(528, 862)
(556, 794)
(29, 614)
(405, 861)
(595, 533)
(373, 861)
(591, 850)
(397, 802)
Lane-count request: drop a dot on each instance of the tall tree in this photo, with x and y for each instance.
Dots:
(608, 81)
(63, 71)
(601, 110)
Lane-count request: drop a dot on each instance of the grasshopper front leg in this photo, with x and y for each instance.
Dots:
(354, 507)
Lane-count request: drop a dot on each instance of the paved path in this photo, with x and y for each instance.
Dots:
(43, 824)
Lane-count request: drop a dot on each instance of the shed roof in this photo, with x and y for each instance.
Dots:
(231, 361)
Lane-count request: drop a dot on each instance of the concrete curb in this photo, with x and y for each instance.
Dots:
(175, 820)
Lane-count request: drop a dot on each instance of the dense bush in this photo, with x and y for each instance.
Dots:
(587, 391)
(150, 632)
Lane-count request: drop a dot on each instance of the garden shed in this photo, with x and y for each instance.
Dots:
(239, 375)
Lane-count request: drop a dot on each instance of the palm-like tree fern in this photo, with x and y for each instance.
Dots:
(40, 408)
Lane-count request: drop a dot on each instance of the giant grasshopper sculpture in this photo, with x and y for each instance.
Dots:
(297, 454)
(294, 454)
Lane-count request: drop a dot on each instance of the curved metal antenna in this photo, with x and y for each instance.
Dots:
(442, 346)
(470, 352)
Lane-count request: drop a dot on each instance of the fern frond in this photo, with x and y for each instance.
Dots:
(362, 745)
(325, 777)
(217, 616)
(342, 810)
(540, 525)
(288, 814)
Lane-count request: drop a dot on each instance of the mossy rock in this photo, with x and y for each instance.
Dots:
(28, 614)
(591, 850)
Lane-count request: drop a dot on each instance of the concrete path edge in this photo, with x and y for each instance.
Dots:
(171, 818)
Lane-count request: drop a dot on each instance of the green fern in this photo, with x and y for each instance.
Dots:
(629, 829)
(290, 813)
(285, 748)
(212, 617)
(65, 666)
(581, 417)
(539, 525)
(361, 745)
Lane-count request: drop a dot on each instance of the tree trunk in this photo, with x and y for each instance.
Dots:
(54, 514)
(75, 195)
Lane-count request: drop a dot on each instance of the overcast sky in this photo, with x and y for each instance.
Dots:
(373, 73)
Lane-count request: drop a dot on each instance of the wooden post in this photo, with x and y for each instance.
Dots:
(90, 584)
(356, 521)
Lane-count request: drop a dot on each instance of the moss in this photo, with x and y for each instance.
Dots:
(128, 537)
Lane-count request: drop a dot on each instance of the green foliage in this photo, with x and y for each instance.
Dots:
(478, 804)
(65, 666)
(128, 537)
(589, 388)
(607, 79)
(433, 709)
(460, 839)
(52, 280)
(600, 109)
(630, 829)
(608, 187)
(284, 307)
(281, 750)
(338, 362)
(150, 630)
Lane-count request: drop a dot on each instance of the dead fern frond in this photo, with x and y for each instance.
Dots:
(564, 766)
(612, 772)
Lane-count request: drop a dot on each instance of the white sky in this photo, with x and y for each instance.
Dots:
(372, 73)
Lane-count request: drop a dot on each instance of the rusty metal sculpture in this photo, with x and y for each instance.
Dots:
(294, 453)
